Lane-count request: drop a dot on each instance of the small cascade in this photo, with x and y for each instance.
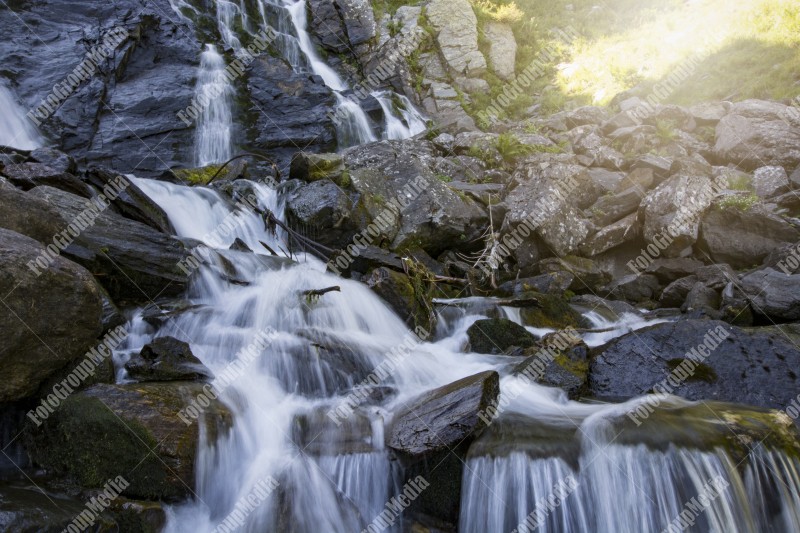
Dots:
(352, 123)
(16, 130)
(227, 13)
(297, 10)
(402, 120)
(213, 142)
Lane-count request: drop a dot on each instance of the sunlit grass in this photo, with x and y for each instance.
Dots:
(733, 50)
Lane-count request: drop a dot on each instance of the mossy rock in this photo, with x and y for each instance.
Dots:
(497, 335)
(553, 312)
(314, 167)
(131, 430)
(202, 175)
(410, 300)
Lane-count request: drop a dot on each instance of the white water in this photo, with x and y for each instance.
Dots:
(330, 476)
(409, 122)
(213, 135)
(16, 130)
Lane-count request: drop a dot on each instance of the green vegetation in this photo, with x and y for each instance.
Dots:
(711, 50)
(197, 176)
(443, 178)
(666, 131)
(740, 202)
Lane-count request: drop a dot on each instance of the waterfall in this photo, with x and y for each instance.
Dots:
(352, 124)
(337, 478)
(16, 130)
(215, 123)
(401, 121)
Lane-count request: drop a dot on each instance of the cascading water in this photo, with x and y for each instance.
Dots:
(337, 478)
(409, 122)
(16, 130)
(215, 124)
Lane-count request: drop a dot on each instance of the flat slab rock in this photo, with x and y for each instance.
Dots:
(442, 418)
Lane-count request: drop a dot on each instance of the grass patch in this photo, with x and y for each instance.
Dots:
(740, 202)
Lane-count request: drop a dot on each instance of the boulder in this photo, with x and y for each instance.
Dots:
(674, 294)
(396, 183)
(588, 275)
(568, 371)
(30, 216)
(133, 261)
(709, 113)
(769, 182)
(410, 302)
(773, 294)
(49, 319)
(702, 298)
(552, 312)
(755, 132)
(456, 30)
(624, 230)
(672, 212)
(55, 159)
(543, 199)
(555, 283)
(131, 201)
(26, 508)
(585, 115)
(743, 236)
(134, 429)
(497, 335)
(29, 175)
(167, 359)
(635, 287)
(668, 270)
(725, 363)
(442, 418)
(308, 166)
(613, 207)
(502, 49)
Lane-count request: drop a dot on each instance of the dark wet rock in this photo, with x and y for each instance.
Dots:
(132, 261)
(135, 429)
(702, 298)
(308, 166)
(370, 258)
(410, 301)
(552, 311)
(131, 202)
(497, 336)
(669, 270)
(749, 366)
(29, 175)
(743, 237)
(610, 309)
(635, 287)
(755, 132)
(167, 359)
(566, 369)
(50, 319)
(773, 294)
(28, 215)
(322, 211)
(444, 417)
(55, 159)
(588, 274)
(551, 283)
(674, 294)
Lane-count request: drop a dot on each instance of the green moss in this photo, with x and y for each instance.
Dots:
(552, 312)
(702, 372)
(197, 176)
(740, 202)
(443, 178)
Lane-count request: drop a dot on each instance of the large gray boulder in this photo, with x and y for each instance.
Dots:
(28, 215)
(502, 49)
(743, 237)
(325, 212)
(456, 29)
(749, 366)
(133, 261)
(672, 212)
(396, 181)
(47, 320)
(756, 133)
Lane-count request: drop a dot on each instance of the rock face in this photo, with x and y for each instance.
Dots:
(502, 49)
(167, 359)
(749, 366)
(48, 320)
(125, 115)
(443, 417)
(457, 36)
(743, 237)
(755, 132)
(396, 183)
(133, 261)
(324, 212)
(131, 429)
(28, 215)
(496, 335)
